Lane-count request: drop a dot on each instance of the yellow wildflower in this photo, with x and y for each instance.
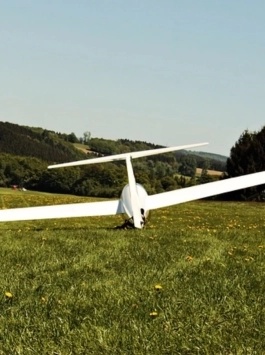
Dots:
(153, 314)
(189, 258)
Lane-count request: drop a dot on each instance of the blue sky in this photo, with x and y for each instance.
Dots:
(167, 72)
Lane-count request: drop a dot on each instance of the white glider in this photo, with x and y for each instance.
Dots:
(134, 200)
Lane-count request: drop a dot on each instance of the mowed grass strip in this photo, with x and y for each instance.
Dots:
(192, 282)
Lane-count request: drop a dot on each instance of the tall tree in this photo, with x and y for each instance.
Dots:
(241, 160)
(247, 156)
(205, 177)
(188, 166)
(87, 136)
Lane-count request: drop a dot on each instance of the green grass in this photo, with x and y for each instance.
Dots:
(80, 287)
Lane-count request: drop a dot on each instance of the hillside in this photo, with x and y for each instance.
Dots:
(38, 143)
(26, 152)
(59, 147)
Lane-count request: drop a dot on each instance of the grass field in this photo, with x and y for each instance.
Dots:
(192, 282)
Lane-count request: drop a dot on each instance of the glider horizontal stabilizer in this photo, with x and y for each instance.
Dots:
(123, 156)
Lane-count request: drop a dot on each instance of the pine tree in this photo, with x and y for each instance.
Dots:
(247, 156)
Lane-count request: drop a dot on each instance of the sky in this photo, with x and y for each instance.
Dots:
(168, 72)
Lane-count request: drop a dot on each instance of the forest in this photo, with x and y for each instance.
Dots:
(27, 151)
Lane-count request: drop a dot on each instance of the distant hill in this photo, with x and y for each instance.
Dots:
(108, 147)
(211, 156)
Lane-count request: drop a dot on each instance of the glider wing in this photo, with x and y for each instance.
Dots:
(197, 192)
(103, 208)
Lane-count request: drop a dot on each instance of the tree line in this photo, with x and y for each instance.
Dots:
(102, 180)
